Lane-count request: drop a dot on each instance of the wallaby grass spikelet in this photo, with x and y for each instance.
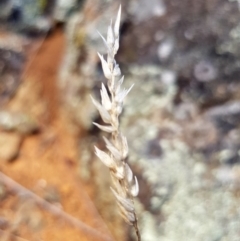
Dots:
(125, 185)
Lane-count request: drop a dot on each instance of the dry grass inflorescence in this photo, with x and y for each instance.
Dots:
(125, 185)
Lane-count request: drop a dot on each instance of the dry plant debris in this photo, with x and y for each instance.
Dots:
(125, 186)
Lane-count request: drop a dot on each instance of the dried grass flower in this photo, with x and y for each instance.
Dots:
(125, 185)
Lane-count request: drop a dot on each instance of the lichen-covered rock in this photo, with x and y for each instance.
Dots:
(188, 199)
(19, 122)
(63, 8)
(226, 116)
(197, 41)
(11, 65)
(28, 16)
(184, 149)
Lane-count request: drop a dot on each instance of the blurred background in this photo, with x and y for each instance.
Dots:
(181, 119)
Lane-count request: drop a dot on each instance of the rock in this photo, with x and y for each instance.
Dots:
(62, 9)
(26, 15)
(5, 9)
(226, 116)
(205, 71)
(11, 65)
(17, 121)
(142, 10)
(9, 146)
(165, 49)
(227, 175)
(189, 40)
(201, 135)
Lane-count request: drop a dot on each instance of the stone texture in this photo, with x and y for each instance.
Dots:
(9, 145)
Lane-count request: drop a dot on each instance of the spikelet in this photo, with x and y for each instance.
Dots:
(125, 185)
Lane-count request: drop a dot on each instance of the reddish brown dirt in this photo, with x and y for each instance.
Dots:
(47, 166)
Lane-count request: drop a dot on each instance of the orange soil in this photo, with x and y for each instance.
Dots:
(48, 161)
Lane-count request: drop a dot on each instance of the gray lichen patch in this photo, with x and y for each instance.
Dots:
(188, 201)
